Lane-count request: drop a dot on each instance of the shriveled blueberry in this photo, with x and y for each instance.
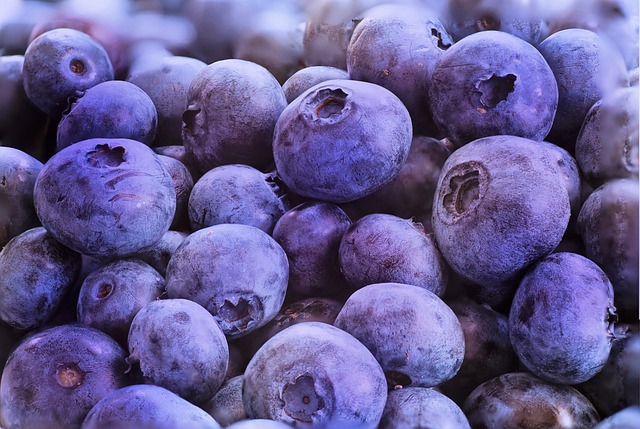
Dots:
(310, 234)
(313, 373)
(608, 224)
(54, 377)
(414, 335)
(112, 109)
(317, 158)
(159, 254)
(237, 272)
(522, 400)
(562, 317)
(113, 294)
(58, 64)
(36, 272)
(237, 193)
(226, 405)
(492, 83)
(417, 407)
(105, 197)
(147, 406)
(310, 76)
(183, 185)
(232, 109)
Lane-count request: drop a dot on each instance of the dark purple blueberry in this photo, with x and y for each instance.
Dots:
(112, 109)
(522, 400)
(18, 172)
(146, 406)
(54, 377)
(310, 76)
(232, 109)
(226, 405)
(310, 234)
(178, 345)
(492, 83)
(315, 156)
(414, 335)
(105, 197)
(183, 184)
(237, 272)
(239, 194)
(113, 294)
(36, 272)
(313, 373)
(60, 63)
(159, 254)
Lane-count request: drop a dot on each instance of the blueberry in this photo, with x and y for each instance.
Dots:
(492, 83)
(520, 399)
(232, 109)
(146, 406)
(237, 272)
(626, 418)
(179, 346)
(112, 109)
(183, 185)
(113, 294)
(259, 424)
(159, 254)
(226, 406)
(317, 158)
(58, 64)
(54, 377)
(310, 76)
(36, 272)
(105, 197)
(313, 373)
(414, 335)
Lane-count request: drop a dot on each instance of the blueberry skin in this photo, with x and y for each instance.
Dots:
(416, 407)
(183, 184)
(310, 76)
(492, 83)
(179, 346)
(623, 419)
(380, 248)
(522, 400)
(507, 188)
(18, 172)
(237, 272)
(112, 109)
(561, 319)
(232, 109)
(54, 377)
(105, 197)
(58, 64)
(226, 406)
(310, 234)
(113, 294)
(607, 145)
(159, 254)
(146, 406)
(259, 424)
(238, 194)
(414, 335)
(36, 272)
(613, 245)
(167, 82)
(586, 68)
(316, 158)
(313, 373)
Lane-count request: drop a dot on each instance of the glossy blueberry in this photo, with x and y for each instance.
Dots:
(492, 83)
(237, 272)
(313, 373)
(520, 399)
(310, 234)
(310, 76)
(239, 194)
(159, 254)
(232, 109)
(414, 335)
(105, 197)
(183, 185)
(112, 109)
(18, 172)
(113, 294)
(58, 64)
(316, 158)
(36, 272)
(226, 406)
(147, 406)
(54, 377)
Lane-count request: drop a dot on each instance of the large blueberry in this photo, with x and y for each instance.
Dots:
(341, 140)
(312, 373)
(493, 83)
(105, 197)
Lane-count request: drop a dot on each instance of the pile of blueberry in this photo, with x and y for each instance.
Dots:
(358, 214)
